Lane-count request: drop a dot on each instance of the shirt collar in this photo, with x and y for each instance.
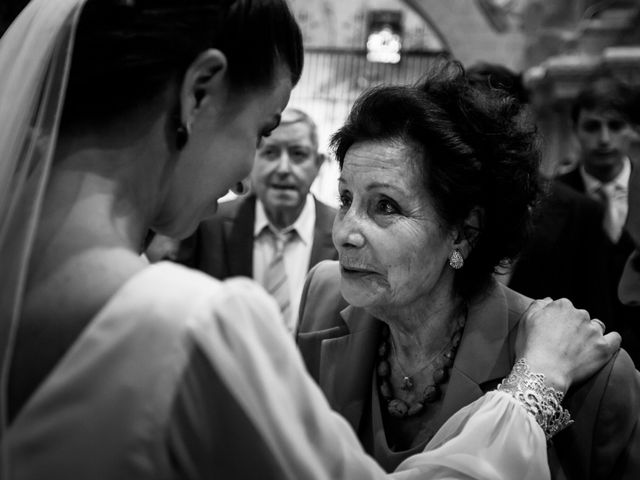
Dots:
(620, 182)
(303, 226)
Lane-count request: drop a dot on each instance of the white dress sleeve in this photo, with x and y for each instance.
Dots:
(492, 438)
(245, 341)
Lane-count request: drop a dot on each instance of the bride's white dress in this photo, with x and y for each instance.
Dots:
(183, 376)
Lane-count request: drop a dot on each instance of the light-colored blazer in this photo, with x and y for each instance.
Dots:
(339, 342)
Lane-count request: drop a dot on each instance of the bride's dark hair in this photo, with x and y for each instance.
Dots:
(127, 51)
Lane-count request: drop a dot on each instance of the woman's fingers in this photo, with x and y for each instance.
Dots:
(563, 342)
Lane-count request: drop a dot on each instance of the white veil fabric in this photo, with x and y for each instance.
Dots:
(35, 58)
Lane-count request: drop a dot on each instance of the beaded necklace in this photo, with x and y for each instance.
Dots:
(399, 408)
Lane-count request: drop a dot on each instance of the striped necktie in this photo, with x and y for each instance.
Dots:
(275, 280)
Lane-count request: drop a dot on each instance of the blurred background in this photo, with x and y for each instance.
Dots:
(555, 44)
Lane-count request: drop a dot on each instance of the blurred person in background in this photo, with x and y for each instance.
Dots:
(566, 255)
(629, 286)
(601, 124)
(278, 232)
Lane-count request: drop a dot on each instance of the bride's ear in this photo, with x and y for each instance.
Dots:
(203, 82)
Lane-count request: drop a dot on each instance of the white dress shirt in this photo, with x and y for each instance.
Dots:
(617, 192)
(297, 252)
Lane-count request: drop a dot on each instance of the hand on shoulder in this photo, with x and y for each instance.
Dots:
(563, 342)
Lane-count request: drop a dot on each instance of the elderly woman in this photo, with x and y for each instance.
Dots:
(437, 186)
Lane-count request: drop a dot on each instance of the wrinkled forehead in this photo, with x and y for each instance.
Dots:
(290, 134)
(300, 122)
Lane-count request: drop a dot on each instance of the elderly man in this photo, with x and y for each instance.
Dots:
(280, 231)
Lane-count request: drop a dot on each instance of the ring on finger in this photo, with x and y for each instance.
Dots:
(600, 324)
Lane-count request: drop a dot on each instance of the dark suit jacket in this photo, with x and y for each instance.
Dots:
(626, 320)
(223, 244)
(339, 342)
(567, 254)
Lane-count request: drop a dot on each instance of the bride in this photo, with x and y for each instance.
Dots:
(120, 116)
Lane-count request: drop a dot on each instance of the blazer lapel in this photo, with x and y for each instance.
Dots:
(347, 362)
(322, 248)
(238, 232)
(347, 353)
(484, 356)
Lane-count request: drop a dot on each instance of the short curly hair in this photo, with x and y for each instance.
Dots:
(478, 150)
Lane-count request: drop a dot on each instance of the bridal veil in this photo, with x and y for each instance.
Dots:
(35, 57)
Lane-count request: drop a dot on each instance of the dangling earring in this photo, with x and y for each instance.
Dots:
(456, 260)
(182, 136)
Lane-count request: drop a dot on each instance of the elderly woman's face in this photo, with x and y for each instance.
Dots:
(392, 247)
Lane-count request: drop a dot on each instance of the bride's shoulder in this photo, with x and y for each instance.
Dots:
(184, 299)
